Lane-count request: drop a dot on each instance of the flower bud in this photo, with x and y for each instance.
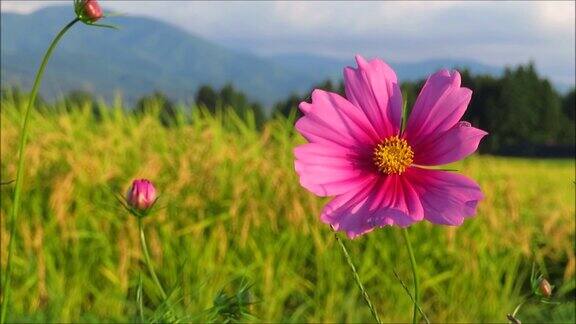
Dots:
(545, 288)
(142, 195)
(93, 10)
(88, 11)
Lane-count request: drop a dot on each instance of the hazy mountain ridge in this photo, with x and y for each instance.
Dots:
(147, 55)
(411, 71)
(144, 55)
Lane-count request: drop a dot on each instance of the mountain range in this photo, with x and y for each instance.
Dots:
(147, 55)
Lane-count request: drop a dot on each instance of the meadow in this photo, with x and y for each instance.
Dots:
(231, 211)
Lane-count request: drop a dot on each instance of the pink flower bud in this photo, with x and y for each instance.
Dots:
(141, 195)
(545, 288)
(92, 10)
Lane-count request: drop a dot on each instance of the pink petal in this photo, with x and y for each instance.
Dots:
(332, 119)
(448, 198)
(374, 88)
(450, 146)
(397, 193)
(381, 202)
(328, 169)
(439, 106)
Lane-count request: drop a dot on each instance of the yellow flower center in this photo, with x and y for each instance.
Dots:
(393, 155)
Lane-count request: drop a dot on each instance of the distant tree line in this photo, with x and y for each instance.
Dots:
(229, 98)
(522, 112)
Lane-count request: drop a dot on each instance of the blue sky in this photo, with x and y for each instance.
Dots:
(495, 33)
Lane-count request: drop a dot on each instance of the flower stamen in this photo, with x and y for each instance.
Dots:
(393, 155)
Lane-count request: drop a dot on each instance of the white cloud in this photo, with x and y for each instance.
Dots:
(556, 16)
(25, 6)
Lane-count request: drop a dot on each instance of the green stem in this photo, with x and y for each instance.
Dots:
(147, 260)
(518, 307)
(20, 171)
(411, 298)
(414, 273)
(358, 282)
(139, 298)
(512, 317)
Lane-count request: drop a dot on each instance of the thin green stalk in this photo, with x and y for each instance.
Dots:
(20, 171)
(518, 307)
(411, 298)
(139, 299)
(148, 262)
(358, 282)
(414, 273)
(512, 317)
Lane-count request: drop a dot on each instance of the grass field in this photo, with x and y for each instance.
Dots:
(232, 209)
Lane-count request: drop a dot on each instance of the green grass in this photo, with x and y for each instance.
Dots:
(232, 208)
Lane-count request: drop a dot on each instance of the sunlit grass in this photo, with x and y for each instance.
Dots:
(233, 209)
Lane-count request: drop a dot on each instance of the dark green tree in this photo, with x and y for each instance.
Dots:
(569, 105)
(526, 114)
(567, 135)
(157, 103)
(288, 106)
(229, 99)
(207, 97)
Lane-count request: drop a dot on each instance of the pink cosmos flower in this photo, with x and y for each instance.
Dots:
(142, 195)
(377, 174)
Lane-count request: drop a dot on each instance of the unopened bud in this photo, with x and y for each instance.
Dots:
(142, 195)
(88, 11)
(545, 288)
(93, 10)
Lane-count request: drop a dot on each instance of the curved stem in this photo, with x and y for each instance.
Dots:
(512, 317)
(414, 273)
(147, 260)
(518, 307)
(358, 282)
(20, 172)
